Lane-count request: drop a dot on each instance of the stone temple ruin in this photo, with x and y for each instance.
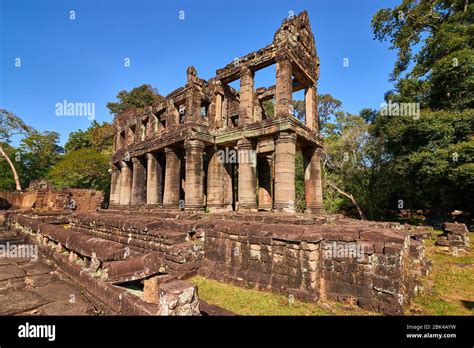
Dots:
(179, 207)
(209, 146)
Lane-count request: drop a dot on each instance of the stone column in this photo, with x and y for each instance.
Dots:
(115, 186)
(138, 182)
(311, 105)
(284, 88)
(172, 179)
(246, 96)
(219, 182)
(247, 175)
(125, 183)
(218, 112)
(312, 180)
(215, 189)
(225, 107)
(194, 185)
(153, 180)
(284, 191)
(264, 169)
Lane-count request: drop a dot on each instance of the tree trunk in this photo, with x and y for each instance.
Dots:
(15, 174)
(351, 197)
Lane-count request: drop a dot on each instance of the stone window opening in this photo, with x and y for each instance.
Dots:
(234, 121)
(143, 129)
(160, 121)
(268, 108)
(131, 134)
(298, 106)
(182, 112)
(204, 109)
(121, 143)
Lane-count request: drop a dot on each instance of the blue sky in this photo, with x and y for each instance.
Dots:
(82, 60)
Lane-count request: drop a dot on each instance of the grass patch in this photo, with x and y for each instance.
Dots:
(245, 301)
(449, 288)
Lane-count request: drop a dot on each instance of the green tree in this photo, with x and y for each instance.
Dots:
(430, 158)
(10, 126)
(138, 97)
(327, 108)
(441, 73)
(7, 181)
(83, 168)
(39, 152)
(98, 136)
(78, 140)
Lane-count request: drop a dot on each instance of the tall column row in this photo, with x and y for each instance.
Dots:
(140, 182)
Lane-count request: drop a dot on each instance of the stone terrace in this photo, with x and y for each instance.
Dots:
(32, 287)
(369, 264)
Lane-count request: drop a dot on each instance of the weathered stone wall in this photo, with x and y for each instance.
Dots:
(371, 267)
(14, 199)
(51, 200)
(87, 200)
(455, 236)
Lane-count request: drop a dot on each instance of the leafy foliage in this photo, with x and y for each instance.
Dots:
(83, 168)
(11, 125)
(86, 163)
(39, 152)
(6, 176)
(98, 136)
(442, 73)
(138, 97)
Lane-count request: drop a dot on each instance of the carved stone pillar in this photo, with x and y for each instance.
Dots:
(215, 188)
(172, 179)
(194, 185)
(115, 186)
(312, 180)
(218, 112)
(219, 182)
(284, 192)
(246, 96)
(153, 180)
(311, 104)
(284, 88)
(125, 183)
(138, 182)
(247, 181)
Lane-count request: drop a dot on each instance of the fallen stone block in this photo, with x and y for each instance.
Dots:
(133, 269)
